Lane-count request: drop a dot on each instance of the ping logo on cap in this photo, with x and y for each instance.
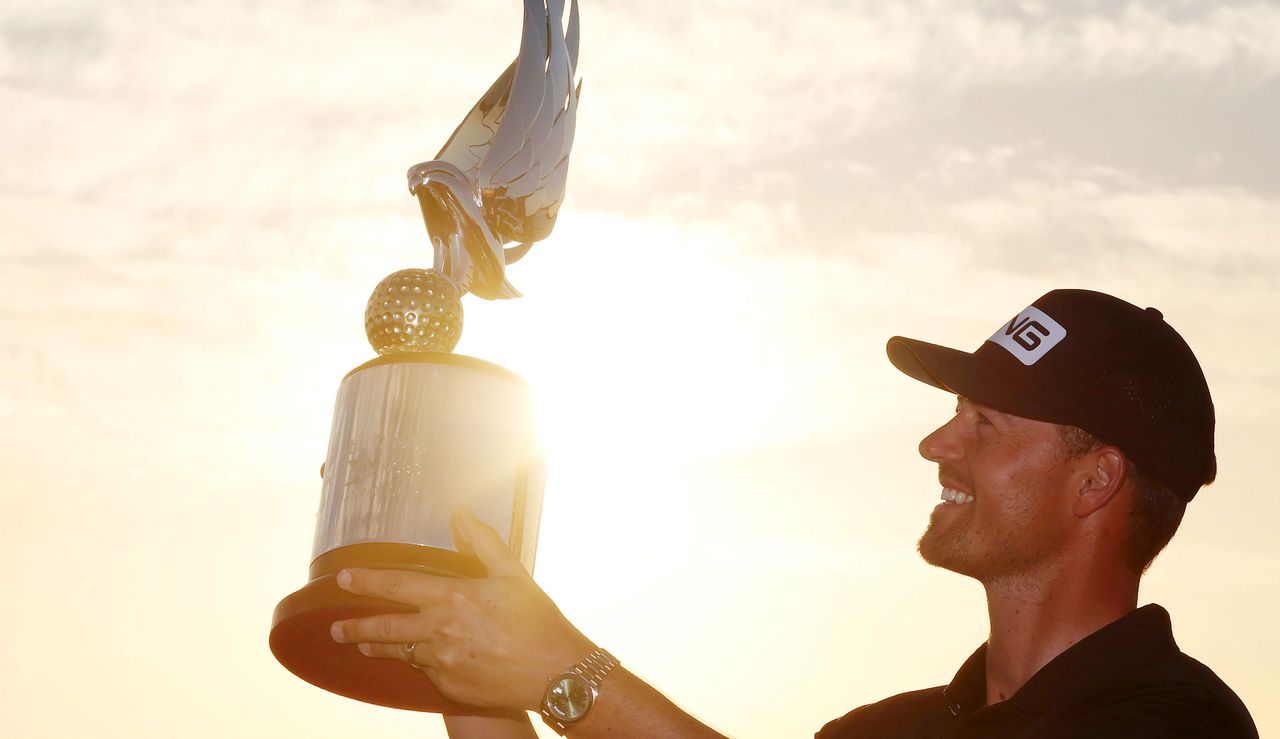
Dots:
(1030, 335)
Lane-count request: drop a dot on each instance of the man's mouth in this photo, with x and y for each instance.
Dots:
(951, 496)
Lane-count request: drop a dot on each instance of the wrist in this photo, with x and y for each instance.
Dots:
(569, 695)
(551, 662)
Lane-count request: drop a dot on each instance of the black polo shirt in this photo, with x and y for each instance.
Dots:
(1128, 679)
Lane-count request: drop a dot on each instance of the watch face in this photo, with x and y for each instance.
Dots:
(569, 698)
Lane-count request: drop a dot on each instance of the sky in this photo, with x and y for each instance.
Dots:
(197, 199)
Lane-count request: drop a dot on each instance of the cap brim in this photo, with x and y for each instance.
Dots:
(943, 367)
(966, 375)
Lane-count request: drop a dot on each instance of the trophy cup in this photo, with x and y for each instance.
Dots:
(418, 431)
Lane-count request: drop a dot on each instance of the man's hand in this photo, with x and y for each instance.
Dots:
(490, 642)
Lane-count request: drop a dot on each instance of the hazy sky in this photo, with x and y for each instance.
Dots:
(198, 197)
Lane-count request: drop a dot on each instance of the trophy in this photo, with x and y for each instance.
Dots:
(419, 431)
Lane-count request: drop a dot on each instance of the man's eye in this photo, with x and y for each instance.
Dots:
(983, 420)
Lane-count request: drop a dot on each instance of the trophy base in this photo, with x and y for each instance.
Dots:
(300, 637)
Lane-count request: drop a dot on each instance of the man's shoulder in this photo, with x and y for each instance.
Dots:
(1180, 668)
(1180, 689)
(1175, 695)
(904, 715)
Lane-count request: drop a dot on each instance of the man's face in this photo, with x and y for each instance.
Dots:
(1009, 475)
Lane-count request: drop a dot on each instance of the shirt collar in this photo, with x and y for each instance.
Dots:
(1085, 667)
(968, 689)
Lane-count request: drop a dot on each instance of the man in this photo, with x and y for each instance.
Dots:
(1083, 426)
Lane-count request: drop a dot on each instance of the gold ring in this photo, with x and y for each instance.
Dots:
(410, 658)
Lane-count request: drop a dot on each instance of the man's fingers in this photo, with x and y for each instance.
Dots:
(487, 545)
(459, 540)
(389, 628)
(413, 588)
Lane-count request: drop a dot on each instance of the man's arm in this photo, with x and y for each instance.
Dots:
(494, 642)
(629, 707)
(516, 726)
(626, 706)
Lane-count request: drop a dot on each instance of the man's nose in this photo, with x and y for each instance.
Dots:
(942, 444)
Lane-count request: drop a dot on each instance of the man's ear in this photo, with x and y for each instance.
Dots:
(1102, 473)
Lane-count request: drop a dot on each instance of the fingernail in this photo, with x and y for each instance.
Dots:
(366, 650)
(335, 631)
(344, 579)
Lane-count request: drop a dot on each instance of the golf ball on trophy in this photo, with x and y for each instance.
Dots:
(414, 310)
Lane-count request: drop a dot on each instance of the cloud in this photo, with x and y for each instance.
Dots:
(973, 46)
(834, 129)
(44, 43)
(823, 108)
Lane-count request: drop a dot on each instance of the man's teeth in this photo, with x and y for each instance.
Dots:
(951, 495)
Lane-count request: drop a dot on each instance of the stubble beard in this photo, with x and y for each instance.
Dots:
(986, 555)
(950, 550)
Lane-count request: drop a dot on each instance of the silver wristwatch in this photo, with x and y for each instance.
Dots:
(570, 695)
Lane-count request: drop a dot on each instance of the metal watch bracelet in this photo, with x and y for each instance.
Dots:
(595, 666)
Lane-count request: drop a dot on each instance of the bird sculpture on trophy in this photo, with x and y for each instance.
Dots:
(500, 178)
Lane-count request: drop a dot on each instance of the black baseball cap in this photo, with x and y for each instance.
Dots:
(1088, 359)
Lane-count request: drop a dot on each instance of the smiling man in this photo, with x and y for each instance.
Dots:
(1082, 429)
